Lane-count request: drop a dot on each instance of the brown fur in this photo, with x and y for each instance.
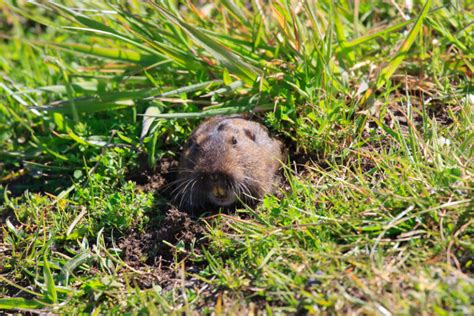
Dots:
(227, 160)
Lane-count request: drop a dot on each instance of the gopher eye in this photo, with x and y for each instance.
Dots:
(249, 134)
(234, 140)
(221, 127)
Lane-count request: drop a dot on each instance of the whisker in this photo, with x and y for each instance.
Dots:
(181, 189)
(181, 185)
(247, 192)
(192, 191)
(253, 179)
(172, 183)
(238, 190)
(184, 192)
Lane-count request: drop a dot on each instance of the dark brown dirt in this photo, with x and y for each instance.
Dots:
(155, 180)
(152, 251)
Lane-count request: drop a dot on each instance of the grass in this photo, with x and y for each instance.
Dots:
(374, 104)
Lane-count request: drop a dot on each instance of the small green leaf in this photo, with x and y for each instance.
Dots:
(78, 139)
(148, 119)
(226, 77)
(50, 295)
(77, 174)
(58, 120)
(72, 264)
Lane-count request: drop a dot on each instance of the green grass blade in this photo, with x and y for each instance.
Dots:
(50, 295)
(97, 27)
(87, 107)
(71, 95)
(118, 100)
(61, 89)
(77, 139)
(121, 54)
(369, 37)
(388, 71)
(446, 33)
(84, 20)
(227, 89)
(236, 11)
(175, 54)
(72, 264)
(341, 37)
(190, 88)
(114, 35)
(214, 112)
(15, 303)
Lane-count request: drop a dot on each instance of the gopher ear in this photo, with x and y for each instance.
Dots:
(249, 134)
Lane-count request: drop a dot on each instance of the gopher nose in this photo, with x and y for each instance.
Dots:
(218, 191)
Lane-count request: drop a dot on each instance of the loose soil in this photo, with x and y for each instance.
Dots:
(152, 251)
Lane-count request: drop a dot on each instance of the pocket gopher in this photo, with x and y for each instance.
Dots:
(226, 161)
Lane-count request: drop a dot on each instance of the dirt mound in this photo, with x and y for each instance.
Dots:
(152, 252)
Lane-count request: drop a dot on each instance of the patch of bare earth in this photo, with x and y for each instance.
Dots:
(152, 253)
